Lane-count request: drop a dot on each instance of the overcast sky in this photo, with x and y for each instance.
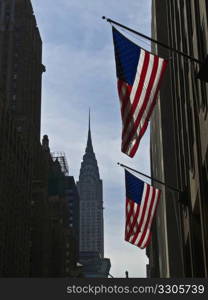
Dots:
(80, 73)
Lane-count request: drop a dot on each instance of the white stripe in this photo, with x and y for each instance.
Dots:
(135, 85)
(131, 144)
(132, 236)
(156, 198)
(128, 207)
(135, 210)
(144, 116)
(142, 96)
(147, 208)
(138, 75)
(138, 238)
(123, 92)
(135, 207)
(146, 213)
(145, 86)
(152, 94)
(153, 207)
(128, 210)
(142, 203)
(132, 217)
(145, 239)
(140, 211)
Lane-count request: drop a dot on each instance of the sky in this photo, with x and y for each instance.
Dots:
(80, 73)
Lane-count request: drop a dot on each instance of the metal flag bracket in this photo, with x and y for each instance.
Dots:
(182, 194)
(203, 71)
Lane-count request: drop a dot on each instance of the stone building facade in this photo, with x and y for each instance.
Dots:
(179, 143)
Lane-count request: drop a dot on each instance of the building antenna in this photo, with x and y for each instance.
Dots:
(89, 118)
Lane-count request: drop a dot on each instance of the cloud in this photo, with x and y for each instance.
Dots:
(125, 256)
(80, 73)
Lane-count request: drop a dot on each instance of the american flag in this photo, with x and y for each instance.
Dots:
(141, 204)
(139, 76)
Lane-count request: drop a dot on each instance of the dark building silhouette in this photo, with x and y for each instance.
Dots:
(40, 220)
(179, 143)
(64, 220)
(73, 206)
(20, 107)
(15, 196)
(94, 266)
(35, 237)
(21, 65)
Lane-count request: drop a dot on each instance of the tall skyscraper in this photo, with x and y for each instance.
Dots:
(21, 64)
(23, 165)
(91, 202)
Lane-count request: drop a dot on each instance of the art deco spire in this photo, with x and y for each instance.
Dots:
(91, 202)
(89, 147)
(89, 164)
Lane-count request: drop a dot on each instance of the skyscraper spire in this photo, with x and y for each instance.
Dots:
(89, 158)
(91, 202)
(89, 147)
(89, 119)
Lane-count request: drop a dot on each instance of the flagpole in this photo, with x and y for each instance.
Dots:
(153, 40)
(154, 179)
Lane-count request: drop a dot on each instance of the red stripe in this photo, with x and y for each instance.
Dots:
(143, 213)
(147, 224)
(147, 95)
(143, 129)
(150, 234)
(141, 133)
(138, 92)
(124, 99)
(157, 90)
(127, 202)
(131, 230)
(148, 218)
(148, 240)
(150, 110)
(128, 215)
(145, 103)
(120, 85)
